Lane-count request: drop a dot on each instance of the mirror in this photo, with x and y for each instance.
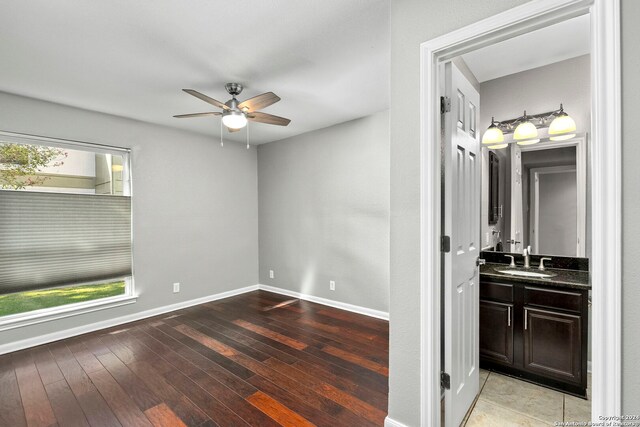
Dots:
(495, 209)
(536, 196)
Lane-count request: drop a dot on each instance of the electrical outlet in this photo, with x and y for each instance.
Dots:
(332, 285)
(271, 274)
(176, 288)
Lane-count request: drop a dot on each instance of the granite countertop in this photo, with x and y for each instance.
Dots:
(562, 278)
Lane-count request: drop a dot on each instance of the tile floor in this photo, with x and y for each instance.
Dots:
(506, 401)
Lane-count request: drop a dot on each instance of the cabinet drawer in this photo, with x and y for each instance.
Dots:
(496, 291)
(553, 298)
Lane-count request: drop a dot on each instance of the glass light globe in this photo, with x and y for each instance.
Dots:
(493, 135)
(498, 146)
(562, 127)
(525, 130)
(234, 120)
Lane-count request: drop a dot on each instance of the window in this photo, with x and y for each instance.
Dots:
(65, 223)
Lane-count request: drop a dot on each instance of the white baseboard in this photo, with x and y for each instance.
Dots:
(324, 301)
(390, 422)
(67, 333)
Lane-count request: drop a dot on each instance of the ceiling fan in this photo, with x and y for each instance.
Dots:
(234, 113)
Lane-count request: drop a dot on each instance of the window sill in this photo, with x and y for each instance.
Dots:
(19, 320)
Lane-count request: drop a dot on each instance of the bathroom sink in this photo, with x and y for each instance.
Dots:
(526, 273)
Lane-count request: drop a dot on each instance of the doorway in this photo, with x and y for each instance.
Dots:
(606, 205)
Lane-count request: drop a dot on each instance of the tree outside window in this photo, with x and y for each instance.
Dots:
(20, 164)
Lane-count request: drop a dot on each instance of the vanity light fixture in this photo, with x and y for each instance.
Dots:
(562, 127)
(493, 135)
(525, 129)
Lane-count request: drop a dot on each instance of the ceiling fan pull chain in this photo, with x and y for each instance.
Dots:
(221, 141)
(247, 135)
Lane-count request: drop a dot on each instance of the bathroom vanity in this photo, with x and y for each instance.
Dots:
(536, 328)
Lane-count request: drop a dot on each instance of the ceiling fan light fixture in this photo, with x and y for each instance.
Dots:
(234, 119)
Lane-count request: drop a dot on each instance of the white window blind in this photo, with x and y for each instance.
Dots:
(50, 239)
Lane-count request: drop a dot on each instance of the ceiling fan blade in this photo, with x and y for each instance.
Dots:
(206, 98)
(269, 119)
(184, 116)
(233, 130)
(259, 102)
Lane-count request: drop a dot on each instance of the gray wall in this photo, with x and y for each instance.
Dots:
(194, 206)
(324, 212)
(630, 11)
(416, 21)
(413, 22)
(537, 90)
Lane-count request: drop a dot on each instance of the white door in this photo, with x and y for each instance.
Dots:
(461, 200)
(516, 241)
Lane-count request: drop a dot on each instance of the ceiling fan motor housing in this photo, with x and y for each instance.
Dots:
(234, 89)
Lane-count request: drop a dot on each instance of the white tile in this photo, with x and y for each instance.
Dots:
(525, 398)
(483, 377)
(576, 409)
(486, 414)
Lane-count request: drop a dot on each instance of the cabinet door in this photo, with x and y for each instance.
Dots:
(552, 344)
(496, 332)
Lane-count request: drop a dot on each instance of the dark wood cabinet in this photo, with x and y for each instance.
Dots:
(496, 332)
(535, 332)
(552, 344)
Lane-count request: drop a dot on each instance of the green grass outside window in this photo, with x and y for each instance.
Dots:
(21, 302)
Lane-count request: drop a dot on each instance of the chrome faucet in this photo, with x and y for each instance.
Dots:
(542, 260)
(513, 263)
(526, 253)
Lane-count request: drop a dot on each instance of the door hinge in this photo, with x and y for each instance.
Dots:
(445, 244)
(445, 104)
(445, 380)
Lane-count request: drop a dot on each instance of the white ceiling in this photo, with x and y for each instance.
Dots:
(328, 60)
(548, 45)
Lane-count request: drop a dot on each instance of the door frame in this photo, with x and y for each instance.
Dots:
(605, 183)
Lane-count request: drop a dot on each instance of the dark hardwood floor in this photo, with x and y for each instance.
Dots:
(258, 359)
